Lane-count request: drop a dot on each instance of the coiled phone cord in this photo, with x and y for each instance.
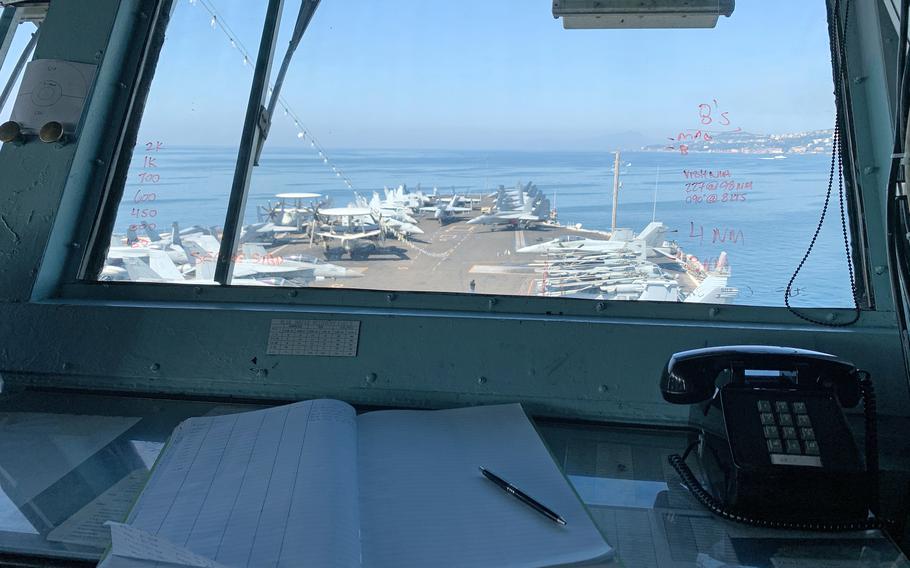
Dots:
(712, 504)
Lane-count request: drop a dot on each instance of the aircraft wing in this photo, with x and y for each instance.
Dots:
(351, 237)
(138, 270)
(208, 243)
(164, 267)
(243, 269)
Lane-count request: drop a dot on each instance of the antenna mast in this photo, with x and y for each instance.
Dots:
(615, 191)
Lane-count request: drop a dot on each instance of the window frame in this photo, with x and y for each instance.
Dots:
(77, 282)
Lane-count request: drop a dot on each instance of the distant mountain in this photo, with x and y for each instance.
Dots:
(811, 142)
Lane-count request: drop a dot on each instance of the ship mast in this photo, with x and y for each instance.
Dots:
(615, 192)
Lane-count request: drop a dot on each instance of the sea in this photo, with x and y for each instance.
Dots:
(761, 210)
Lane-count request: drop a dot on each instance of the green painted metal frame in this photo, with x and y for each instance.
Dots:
(582, 359)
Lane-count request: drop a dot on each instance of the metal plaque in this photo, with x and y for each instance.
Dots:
(327, 338)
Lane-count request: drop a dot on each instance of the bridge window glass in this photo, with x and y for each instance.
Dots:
(16, 49)
(418, 146)
(182, 165)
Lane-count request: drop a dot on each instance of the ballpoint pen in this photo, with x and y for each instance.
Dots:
(522, 496)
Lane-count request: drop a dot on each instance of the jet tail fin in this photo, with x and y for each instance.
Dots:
(653, 234)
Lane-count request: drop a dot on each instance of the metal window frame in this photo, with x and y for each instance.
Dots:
(81, 285)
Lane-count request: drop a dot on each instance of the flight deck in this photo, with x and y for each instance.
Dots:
(449, 257)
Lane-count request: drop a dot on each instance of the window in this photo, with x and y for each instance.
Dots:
(483, 148)
(18, 53)
(182, 167)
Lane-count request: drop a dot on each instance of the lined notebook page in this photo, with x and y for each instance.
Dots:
(274, 487)
(423, 501)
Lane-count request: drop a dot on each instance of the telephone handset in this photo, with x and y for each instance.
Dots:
(772, 438)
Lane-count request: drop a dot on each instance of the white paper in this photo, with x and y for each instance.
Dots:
(423, 501)
(130, 542)
(52, 90)
(259, 488)
(283, 487)
(86, 526)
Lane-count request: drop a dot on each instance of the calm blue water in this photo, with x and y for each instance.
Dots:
(771, 227)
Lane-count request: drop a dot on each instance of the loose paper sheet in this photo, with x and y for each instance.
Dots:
(130, 542)
(86, 527)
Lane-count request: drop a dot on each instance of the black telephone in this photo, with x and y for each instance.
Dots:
(772, 437)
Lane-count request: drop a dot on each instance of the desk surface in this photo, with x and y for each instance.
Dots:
(69, 462)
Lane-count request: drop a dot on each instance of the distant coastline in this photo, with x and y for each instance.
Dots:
(809, 142)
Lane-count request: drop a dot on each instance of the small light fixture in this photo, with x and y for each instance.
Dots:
(51, 132)
(10, 131)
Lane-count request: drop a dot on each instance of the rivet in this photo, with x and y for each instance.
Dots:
(601, 306)
(859, 79)
(492, 302)
(880, 269)
(713, 312)
(262, 373)
(67, 366)
(154, 367)
(98, 54)
(831, 316)
(198, 290)
(370, 378)
(869, 169)
(481, 380)
(603, 388)
(390, 297)
(292, 294)
(74, 244)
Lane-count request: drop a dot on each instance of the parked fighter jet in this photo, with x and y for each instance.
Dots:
(447, 211)
(652, 236)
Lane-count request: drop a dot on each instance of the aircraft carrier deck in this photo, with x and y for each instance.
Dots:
(446, 258)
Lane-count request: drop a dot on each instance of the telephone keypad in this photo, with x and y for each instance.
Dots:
(775, 446)
(787, 428)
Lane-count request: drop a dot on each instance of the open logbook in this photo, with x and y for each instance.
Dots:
(313, 484)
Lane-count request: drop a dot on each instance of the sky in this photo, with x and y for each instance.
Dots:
(476, 74)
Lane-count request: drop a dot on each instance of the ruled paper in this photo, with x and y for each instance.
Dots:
(273, 487)
(423, 501)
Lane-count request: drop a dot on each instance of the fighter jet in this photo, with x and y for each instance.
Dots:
(447, 211)
(652, 236)
(521, 208)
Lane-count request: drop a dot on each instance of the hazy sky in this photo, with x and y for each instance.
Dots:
(503, 74)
